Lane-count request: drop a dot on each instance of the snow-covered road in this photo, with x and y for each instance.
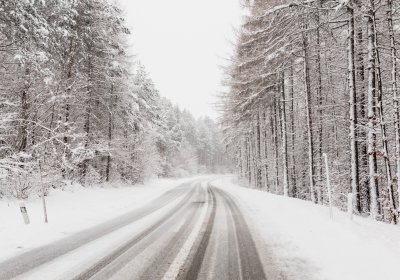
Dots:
(200, 228)
(193, 231)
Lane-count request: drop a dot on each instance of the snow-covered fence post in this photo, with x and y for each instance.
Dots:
(350, 205)
(43, 193)
(24, 212)
(328, 183)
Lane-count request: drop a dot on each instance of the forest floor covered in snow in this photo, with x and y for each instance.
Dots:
(71, 210)
(302, 236)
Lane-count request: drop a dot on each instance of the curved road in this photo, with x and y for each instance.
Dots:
(194, 231)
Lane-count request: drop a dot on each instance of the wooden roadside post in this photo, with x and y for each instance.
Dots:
(24, 212)
(328, 183)
(43, 193)
(350, 205)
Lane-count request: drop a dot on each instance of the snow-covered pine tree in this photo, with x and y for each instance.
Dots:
(331, 55)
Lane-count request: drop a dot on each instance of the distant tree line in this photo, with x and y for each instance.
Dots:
(315, 77)
(76, 105)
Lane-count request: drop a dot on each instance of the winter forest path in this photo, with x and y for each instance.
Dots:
(194, 231)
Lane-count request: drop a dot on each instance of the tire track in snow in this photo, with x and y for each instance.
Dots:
(250, 264)
(182, 238)
(126, 246)
(193, 264)
(129, 265)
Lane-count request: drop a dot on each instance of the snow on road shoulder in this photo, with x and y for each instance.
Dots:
(301, 232)
(77, 261)
(71, 211)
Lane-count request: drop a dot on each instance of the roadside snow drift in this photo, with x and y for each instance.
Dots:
(302, 236)
(70, 211)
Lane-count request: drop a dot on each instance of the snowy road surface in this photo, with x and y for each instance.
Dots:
(194, 231)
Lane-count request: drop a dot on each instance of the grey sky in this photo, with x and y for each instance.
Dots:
(182, 43)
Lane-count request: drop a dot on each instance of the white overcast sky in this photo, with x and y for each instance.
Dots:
(182, 44)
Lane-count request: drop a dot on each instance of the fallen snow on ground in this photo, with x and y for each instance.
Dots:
(70, 211)
(333, 249)
(69, 265)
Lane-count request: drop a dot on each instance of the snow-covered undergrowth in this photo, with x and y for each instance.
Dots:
(300, 232)
(71, 210)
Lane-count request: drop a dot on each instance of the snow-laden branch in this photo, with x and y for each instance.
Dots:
(304, 4)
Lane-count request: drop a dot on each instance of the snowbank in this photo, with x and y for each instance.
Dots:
(70, 211)
(299, 232)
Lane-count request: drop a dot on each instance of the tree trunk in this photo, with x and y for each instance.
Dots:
(307, 87)
(267, 149)
(293, 136)
(372, 165)
(276, 145)
(110, 124)
(23, 131)
(391, 215)
(258, 151)
(363, 119)
(67, 105)
(393, 52)
(88, 111)
(319, 96)
(355, 181)
(263, 166)
(284, 138)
